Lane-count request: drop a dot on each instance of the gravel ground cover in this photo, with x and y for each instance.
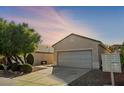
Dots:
(98, 78)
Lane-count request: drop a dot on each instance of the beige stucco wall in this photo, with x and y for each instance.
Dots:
(74, 42)
(38, 57)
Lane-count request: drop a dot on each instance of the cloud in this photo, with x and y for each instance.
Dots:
(52, 25)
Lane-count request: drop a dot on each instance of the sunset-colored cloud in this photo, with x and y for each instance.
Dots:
(49, 23)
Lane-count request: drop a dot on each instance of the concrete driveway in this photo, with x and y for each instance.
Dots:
(68, 74)
(51, 76)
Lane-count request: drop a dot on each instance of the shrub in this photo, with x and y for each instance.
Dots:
(8, 67)
(14, 67)
(26, 68)
(1, 67)
(122, 59)
(30, 59)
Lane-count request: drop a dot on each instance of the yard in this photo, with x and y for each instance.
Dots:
(49, 76)
(98, 78)
(40, 77)
(43, 76)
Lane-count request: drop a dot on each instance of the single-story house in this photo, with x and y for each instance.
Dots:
(43, 53)
(79, 52)
(116, 48)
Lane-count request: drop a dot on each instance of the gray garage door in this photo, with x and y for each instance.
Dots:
(81, 59)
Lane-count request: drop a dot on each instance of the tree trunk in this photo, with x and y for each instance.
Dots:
(8, 60)
(15, 59)
(25, 57)
(20, 59)
(5, 60)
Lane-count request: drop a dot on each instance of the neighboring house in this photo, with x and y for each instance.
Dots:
(79, 51)
(116, 48)
(43, 53)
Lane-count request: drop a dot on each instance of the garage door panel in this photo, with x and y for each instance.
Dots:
(80, 59)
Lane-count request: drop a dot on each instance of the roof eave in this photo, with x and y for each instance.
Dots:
(79, 36)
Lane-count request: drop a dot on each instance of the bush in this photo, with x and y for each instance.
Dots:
(26, 68)
(30, 59)
(1, 67)
(14, 67)
(122, 59)
(8, 67)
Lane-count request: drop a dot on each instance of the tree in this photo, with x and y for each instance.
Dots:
(16, 40)
(122, 53)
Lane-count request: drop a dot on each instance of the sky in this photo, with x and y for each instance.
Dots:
(54, 23)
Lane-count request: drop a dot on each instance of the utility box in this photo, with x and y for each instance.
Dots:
(111, 63)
